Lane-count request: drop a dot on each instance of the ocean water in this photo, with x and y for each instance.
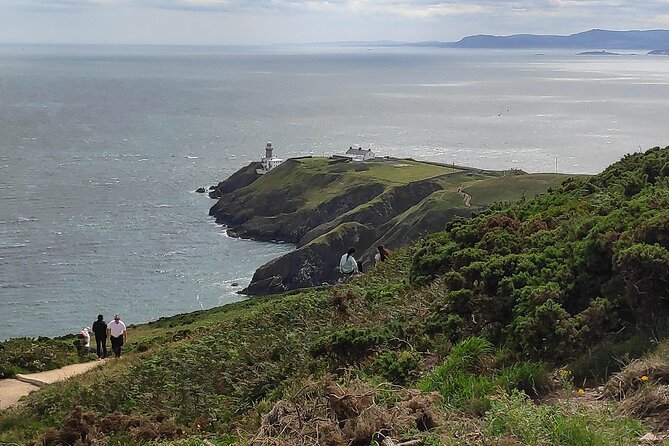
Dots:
(101, 149)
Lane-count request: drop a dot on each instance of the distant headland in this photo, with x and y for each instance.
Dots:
(653, 41)
(356, 199)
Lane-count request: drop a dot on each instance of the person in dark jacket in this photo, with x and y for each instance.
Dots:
(100, 330)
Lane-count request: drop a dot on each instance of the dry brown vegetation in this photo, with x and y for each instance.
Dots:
(88, 428)
(643, 390)
(328, 413)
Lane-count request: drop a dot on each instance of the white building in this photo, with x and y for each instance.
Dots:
(359, 154)
(268, 161)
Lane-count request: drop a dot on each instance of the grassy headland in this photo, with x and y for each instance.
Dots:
(326, 205)
(497, 330)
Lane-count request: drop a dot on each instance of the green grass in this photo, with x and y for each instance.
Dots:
(394, 171)
(514, 415)
(471, 374)
(319, 181)
(27, 355)
(512, 187)
(239, 358)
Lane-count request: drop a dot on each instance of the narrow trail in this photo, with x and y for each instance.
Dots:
(12, 390)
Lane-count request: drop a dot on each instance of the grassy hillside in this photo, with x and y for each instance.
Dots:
(497, 331)
(326, 206)
(310, 182)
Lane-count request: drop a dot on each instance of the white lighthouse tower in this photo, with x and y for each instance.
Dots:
(269, 162)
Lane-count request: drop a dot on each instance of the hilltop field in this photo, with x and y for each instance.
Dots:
(536, 320)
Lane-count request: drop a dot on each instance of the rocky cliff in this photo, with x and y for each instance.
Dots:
(325, 207)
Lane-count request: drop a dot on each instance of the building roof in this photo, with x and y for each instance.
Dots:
(358, 151)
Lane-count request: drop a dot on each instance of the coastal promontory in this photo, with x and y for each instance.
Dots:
(324, 206)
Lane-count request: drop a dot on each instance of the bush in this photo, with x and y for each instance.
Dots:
(349, 345)
(556, 274)
(397, 367)
(24, 355)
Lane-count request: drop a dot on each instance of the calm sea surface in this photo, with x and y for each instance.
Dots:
(102, 147)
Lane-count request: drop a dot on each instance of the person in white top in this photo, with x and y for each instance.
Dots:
(86, 336)
(84, 343)
(348, 264)
(118, 335)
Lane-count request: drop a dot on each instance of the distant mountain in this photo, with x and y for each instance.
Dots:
(594, 39)
(598, 53)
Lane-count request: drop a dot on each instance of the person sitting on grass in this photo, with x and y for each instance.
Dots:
(348, 265)
(381, 254)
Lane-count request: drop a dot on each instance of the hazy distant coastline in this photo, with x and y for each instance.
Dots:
(654, 41)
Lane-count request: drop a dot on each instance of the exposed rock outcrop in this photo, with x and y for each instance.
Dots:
(243, 177)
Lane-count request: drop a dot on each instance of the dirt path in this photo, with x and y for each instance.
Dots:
(11, 390)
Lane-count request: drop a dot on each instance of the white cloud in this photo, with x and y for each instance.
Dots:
(415, 10)
(267, 21)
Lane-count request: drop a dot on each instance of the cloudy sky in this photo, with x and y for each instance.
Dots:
(298, 21)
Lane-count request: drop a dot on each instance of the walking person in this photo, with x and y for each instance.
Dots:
(100, 331)
(117, 334)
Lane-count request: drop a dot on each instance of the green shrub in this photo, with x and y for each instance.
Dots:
(350, 344)
(25, 355)
(546, 330)
(529, 377)
(398, 367)
(555, 274)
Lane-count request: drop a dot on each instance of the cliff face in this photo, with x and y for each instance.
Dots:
(327, 207)
(243, 177)
(282, 205)
(379, 210)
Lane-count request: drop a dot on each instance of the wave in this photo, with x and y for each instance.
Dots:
(15, 245)
(175, 253)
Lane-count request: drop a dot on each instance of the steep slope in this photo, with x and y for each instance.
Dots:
(299, 201)
(394, 218)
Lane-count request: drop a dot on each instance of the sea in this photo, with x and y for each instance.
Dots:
(103, 147)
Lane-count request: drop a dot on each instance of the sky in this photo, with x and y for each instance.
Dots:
(234, 22)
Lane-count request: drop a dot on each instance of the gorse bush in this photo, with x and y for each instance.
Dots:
(398, 367)
(557, 273)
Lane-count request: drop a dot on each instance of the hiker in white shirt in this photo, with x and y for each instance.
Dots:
(118, 334)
